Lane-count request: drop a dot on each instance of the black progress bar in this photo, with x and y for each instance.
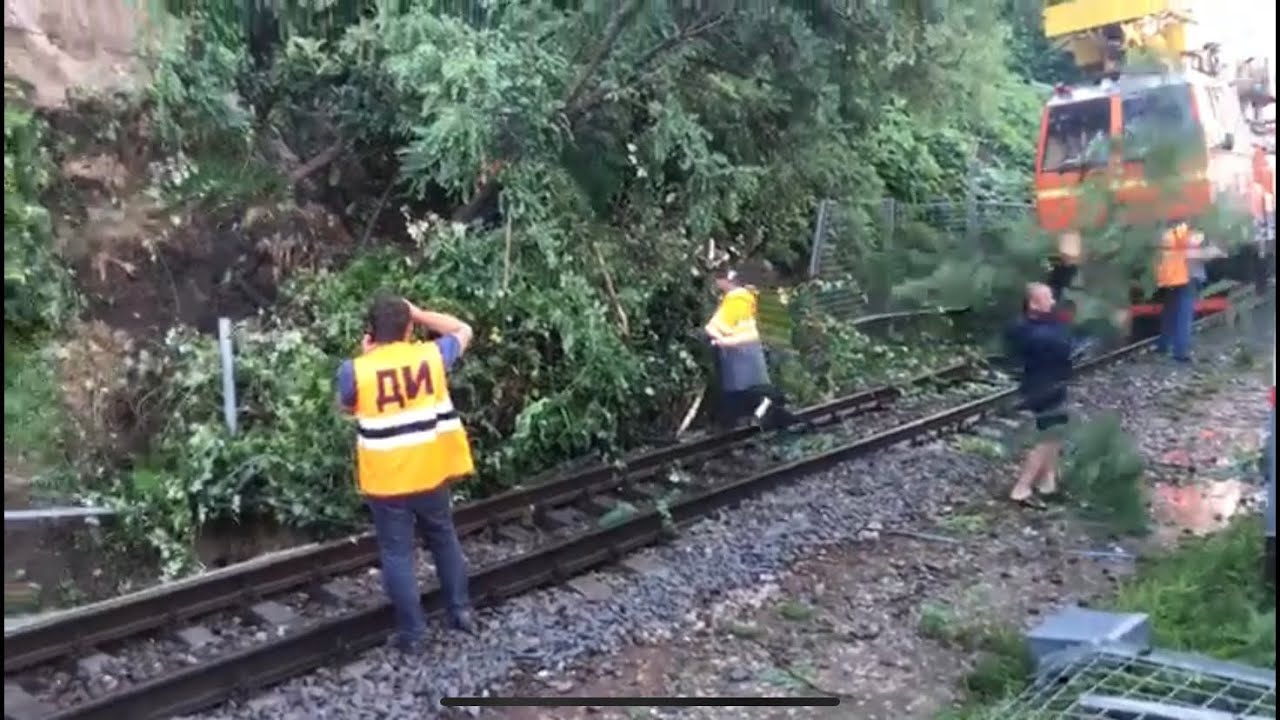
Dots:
(817, 701)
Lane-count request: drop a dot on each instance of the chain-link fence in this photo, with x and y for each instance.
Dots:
(861, 251)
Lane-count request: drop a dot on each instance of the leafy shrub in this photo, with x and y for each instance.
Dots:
(38, 294)
(1208, 596)
(1103, 472)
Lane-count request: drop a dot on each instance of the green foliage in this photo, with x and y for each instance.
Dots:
(613, 142)
(990, 279)
(1103, 473)
(32, 406)
(38, 294)
(203, 126)
(1236, 620)
(194, 89)
(831, 356)
(1032, 55)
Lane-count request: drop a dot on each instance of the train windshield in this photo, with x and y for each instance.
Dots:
(1077, 136)
(1155, 118)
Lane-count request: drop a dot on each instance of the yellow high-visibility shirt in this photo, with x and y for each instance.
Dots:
(735, 319)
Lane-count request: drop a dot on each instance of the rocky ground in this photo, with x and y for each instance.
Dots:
(862, 582)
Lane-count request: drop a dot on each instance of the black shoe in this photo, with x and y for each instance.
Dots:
(463, 622)
(416, 646)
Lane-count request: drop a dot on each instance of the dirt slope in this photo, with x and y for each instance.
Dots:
(54, 45)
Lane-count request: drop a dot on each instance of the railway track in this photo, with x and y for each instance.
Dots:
(516, 542)
(220, 619)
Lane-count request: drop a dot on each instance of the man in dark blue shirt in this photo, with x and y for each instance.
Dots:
(1041, 343)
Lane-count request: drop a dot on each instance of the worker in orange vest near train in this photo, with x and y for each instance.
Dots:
(1180, 274)
(1173, 277)
(410, 444)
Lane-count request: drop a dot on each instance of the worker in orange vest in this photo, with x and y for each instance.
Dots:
(1173, 277)
(410, 444)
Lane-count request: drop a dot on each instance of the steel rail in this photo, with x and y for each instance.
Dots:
(128, 616)
(340, 638)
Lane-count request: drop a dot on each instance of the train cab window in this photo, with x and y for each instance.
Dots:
(1078, 136)
(1155, 116)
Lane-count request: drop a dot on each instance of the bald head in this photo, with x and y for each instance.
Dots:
(1039, 298)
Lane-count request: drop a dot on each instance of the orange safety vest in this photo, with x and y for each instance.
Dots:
(410, 439)
(1262, 171)
(1171, 268)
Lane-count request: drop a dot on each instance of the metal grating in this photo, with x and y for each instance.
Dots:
(1116, 683)
(855, 253)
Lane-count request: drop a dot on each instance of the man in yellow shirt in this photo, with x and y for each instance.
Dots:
(745, 389)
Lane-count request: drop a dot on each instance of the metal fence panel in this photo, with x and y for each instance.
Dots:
(858, 250)
(1113, 682)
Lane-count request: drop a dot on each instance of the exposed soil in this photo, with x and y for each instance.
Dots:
(144, 266)
(226, 267)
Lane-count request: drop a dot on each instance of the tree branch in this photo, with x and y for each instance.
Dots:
(377, 212)
(590, 100)
(618, 21)
(612, 291)
(319, 162)
(578, 102)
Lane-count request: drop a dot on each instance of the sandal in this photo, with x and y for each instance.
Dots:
(1030, 501)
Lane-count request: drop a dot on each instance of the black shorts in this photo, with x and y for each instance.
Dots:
(1055, 417)
(1049, 410)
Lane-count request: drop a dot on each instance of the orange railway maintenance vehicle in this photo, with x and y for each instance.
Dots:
(1216, 104)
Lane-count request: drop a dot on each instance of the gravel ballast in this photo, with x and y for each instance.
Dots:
(544, 633)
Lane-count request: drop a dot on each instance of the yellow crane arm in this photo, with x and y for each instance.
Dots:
(1097, 32)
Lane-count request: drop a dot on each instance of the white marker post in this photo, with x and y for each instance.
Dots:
(228, 374)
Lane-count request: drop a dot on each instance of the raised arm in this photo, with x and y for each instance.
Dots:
(346, 387)
(442, 324)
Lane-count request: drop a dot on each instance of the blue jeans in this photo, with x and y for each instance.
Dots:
(394, 522)
(1177, 313)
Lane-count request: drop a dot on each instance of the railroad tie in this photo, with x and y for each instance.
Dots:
(20, 705)
(515, 534)
(641, 565)
(196, 636)
(591, 588)
(274, 614)
(564, 517)
(335, 592)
